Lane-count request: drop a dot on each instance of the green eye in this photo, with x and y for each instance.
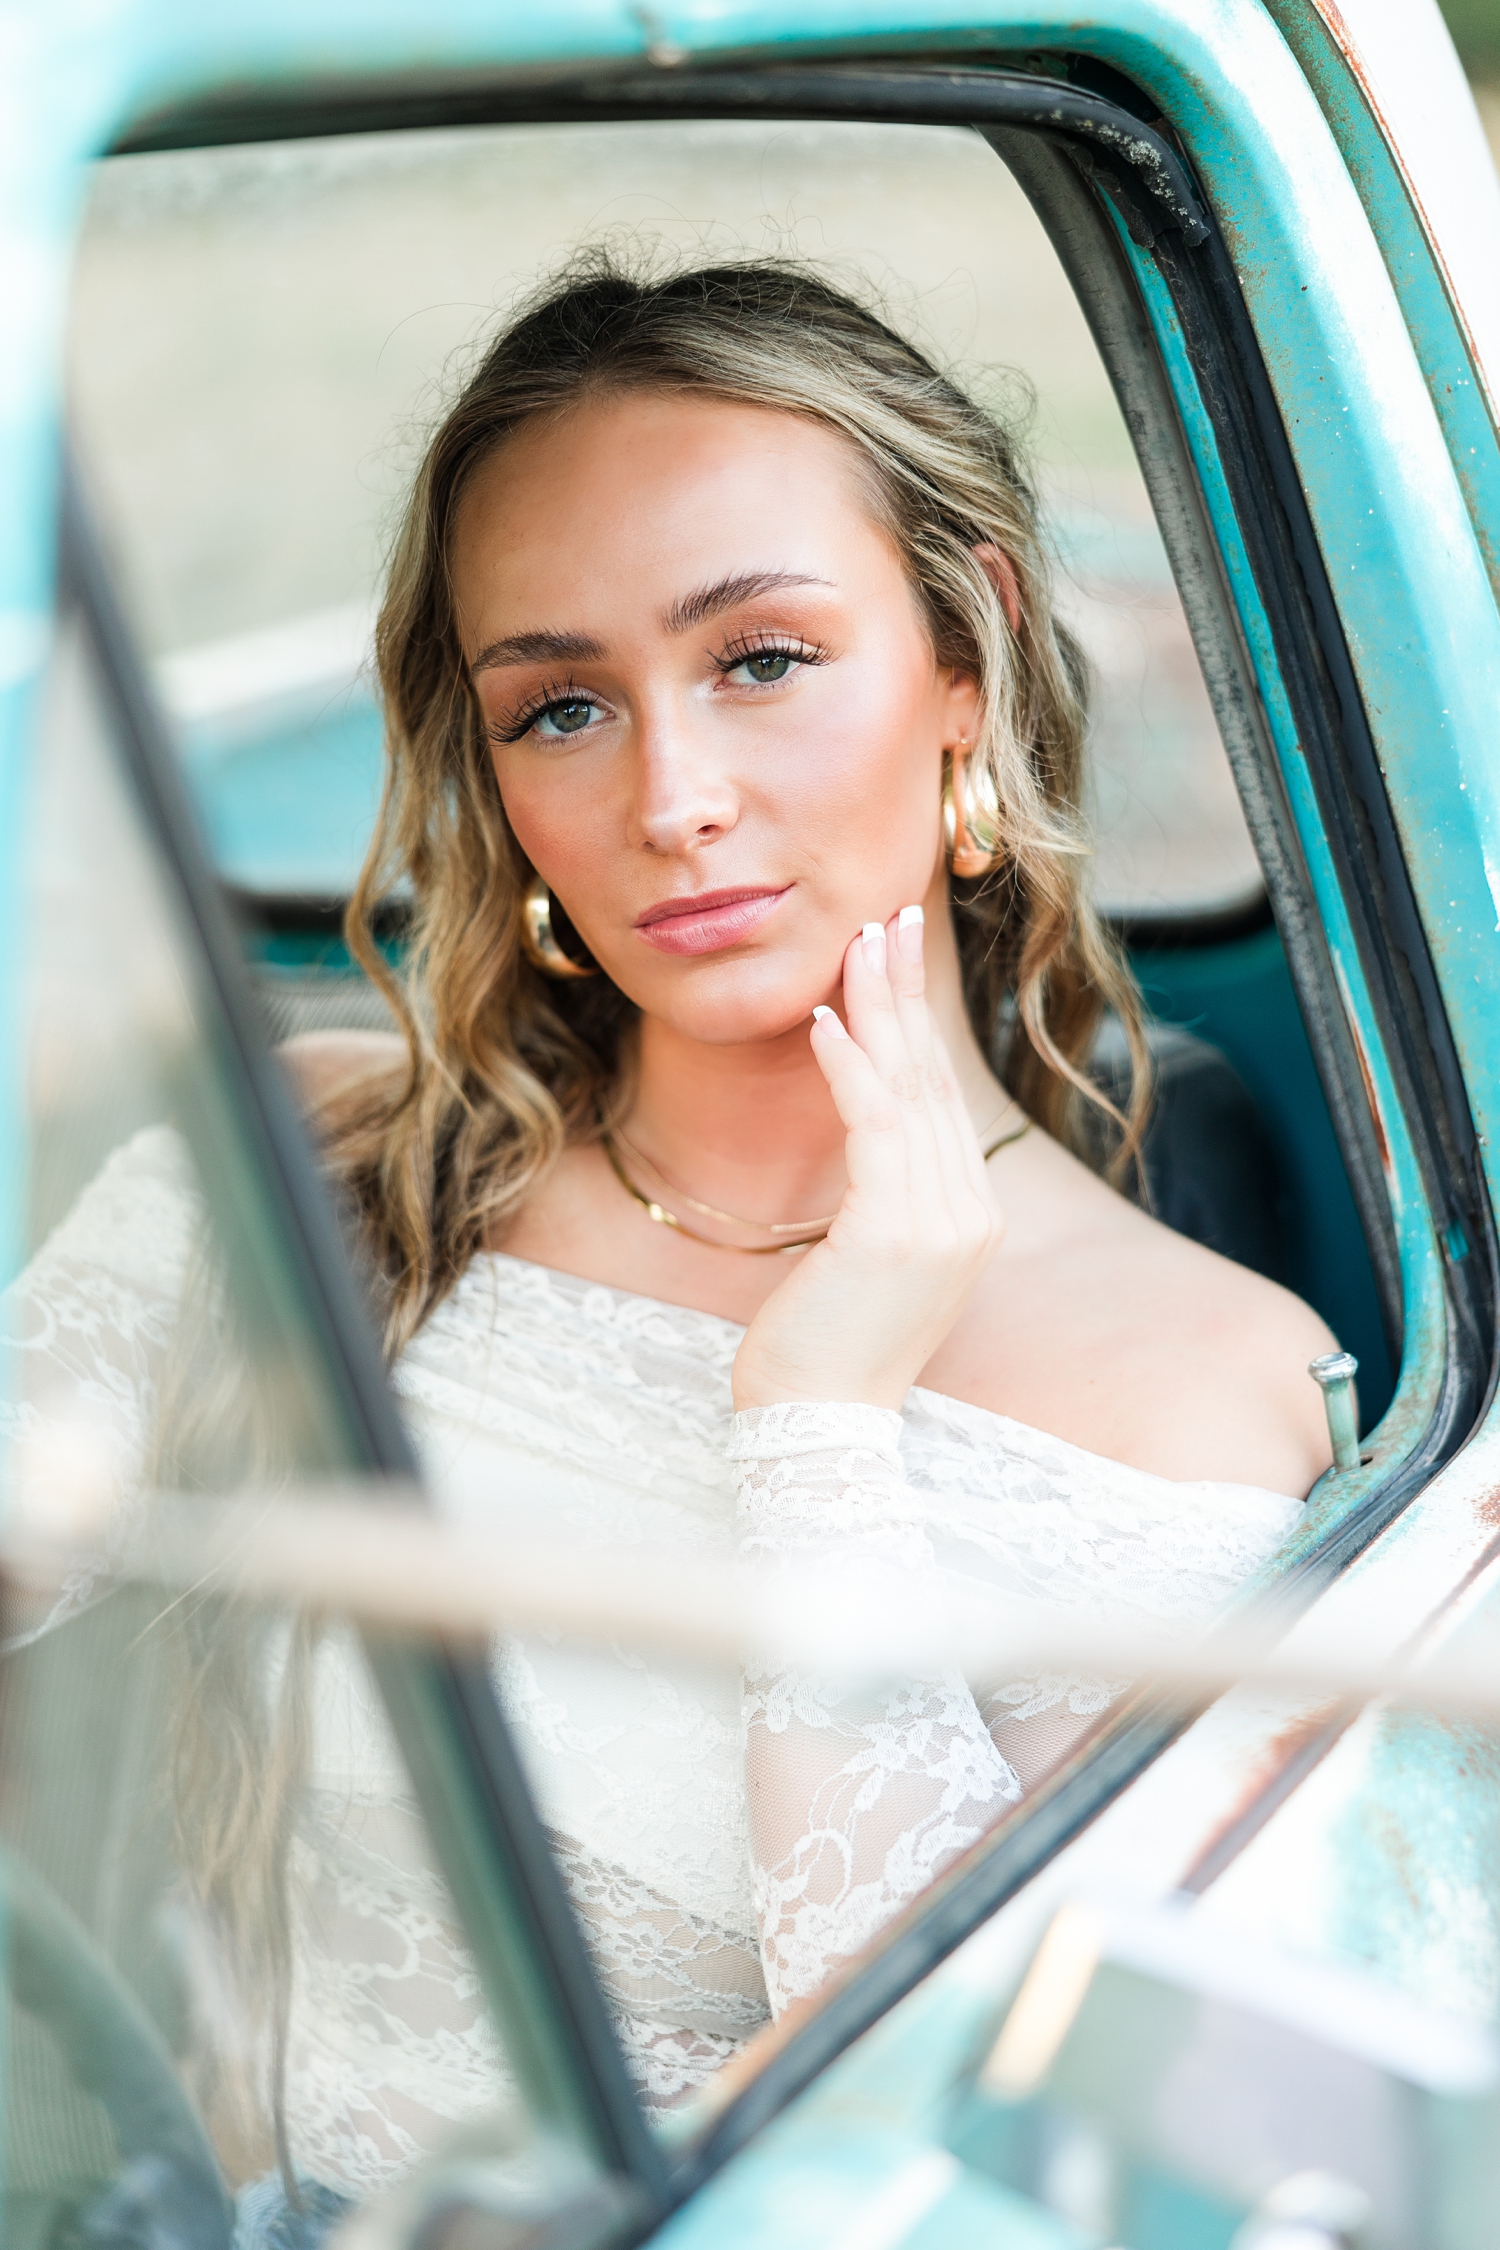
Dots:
(770, 664)
(569, 717)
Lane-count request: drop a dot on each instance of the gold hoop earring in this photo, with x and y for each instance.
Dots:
(539, 939)
(971, 833)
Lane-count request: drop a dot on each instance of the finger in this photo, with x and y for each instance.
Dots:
(946, 1194)
(971, 1150)
(875, 1152)
(870, 1007)
(952, 1129)
(874, 1022)
(907, 977)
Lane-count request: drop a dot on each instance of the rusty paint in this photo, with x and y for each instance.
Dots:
(1286, 1761)
(1418, 1846)
(1367, 1080)
(1486, 1512)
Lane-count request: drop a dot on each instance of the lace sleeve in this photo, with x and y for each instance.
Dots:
(86, 1329)
(858, 1798)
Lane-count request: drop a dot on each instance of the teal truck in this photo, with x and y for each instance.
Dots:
(1229, 1975)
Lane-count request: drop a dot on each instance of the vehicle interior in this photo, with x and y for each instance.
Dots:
(267, 313)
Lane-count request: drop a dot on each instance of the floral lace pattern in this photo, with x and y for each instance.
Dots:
(536, 1398)
(390, 2043)
(87, 1329)
(859, 1799)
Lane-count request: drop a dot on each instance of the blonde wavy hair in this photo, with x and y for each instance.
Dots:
(509, 1067)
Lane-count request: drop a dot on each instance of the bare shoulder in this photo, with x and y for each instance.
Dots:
(1218, 1356)
(1205, 1302)
(1100, 1324)
(325, 1067)
(1231, 1367)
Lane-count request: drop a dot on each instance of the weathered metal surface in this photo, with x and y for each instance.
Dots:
(1409, 84)
(1396, 99)
(1390, 1852)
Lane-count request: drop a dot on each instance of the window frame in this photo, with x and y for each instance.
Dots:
(1119, 201)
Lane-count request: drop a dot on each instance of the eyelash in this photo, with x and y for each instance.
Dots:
(736, 653)
(546, 699)
(749, 645)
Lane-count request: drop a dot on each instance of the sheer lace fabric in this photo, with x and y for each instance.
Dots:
(859, 1799)
(390, 2043)
(536, 1398)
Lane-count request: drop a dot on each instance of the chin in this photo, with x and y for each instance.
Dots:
(738, 1003)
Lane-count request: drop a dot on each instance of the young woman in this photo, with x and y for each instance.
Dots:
(735, 770)
(724, 1189)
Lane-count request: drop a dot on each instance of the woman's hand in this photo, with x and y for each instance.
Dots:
(865, 1309)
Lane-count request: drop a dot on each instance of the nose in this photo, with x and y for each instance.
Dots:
(684, 798)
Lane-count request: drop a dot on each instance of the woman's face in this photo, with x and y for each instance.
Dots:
(717, 721)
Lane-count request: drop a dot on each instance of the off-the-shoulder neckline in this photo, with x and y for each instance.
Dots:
(943, 1401)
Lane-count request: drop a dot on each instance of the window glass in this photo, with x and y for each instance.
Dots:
(237, 1977)
(262, 336)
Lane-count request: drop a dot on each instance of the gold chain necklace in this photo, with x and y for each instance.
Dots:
(711, 1210)
(807, 1239)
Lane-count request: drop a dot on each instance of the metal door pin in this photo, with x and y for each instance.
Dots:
(1334, 1375)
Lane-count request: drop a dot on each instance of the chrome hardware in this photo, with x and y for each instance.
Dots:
(1334, 1374)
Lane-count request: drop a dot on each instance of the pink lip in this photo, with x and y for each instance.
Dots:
(707, 923)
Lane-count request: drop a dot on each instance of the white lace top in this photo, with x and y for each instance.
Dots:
(726, 1841)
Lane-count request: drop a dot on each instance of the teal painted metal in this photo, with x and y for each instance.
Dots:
(867, 2155)
(1437, 329)
(1420, 1847)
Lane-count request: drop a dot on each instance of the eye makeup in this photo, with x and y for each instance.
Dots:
(556, 698)
(745, 648)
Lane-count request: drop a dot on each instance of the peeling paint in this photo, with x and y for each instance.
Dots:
(1418, 1855)
(1287, 1758)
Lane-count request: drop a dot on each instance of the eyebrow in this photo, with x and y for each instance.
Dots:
(728, 593)
(693, 609)
(538, 648)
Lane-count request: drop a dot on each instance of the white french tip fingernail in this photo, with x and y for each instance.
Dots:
(819, 1015)
(909, 933)
(873, 934)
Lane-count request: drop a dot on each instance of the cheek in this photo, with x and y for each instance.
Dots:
(562, 828)
(871, 759)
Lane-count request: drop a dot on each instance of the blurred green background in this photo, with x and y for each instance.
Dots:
(1475, 25)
